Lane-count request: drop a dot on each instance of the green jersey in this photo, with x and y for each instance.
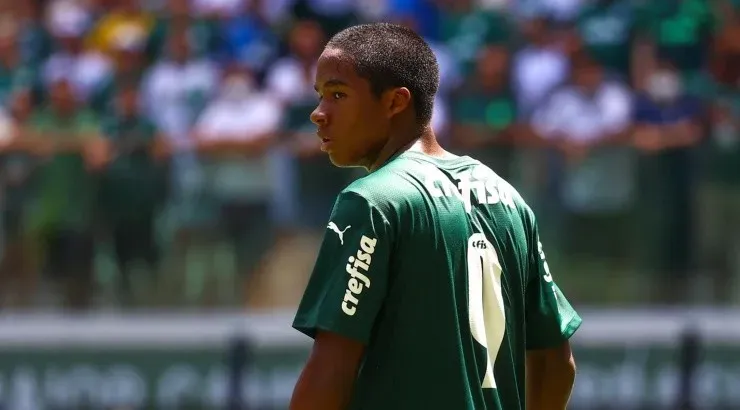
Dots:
(436, 266)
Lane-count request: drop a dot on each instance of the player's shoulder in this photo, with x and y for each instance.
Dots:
(381, 190)
(391, 187)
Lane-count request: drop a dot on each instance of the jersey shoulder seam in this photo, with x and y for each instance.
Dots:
(353, 193)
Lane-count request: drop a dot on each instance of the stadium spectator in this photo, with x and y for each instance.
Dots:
(331, 15)
(668, 127)
(18, 270)
(607, 29)
(677, 32)
(718, 211)
(484, 116)
(179, 15)
(586, 120)
(14, 74)
(175, 91)
(247, 38)
(83, 69)
(234, 135)
(132, 188)
(177, 88)
(539, 66)
(465, 28)
(122, 16)
(69, 135)
(291, 77)
(449, 68)
(129, 63)
(34, 42)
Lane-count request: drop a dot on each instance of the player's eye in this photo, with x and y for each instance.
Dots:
(335, 95)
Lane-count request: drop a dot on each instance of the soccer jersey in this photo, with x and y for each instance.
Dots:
(436, 266)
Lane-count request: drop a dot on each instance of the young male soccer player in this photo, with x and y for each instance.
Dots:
(431, 290)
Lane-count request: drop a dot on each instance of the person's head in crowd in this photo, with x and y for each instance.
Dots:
(68, 21)
(127, 99)
(128, 48)
(727, 72)
(571, 40)
(664, 84)
(537, 30)
(587, 74)
(28, 10)
(9, 53)
(62, 97)
(237, 83)
(20, 105)
(307, 40)
(178, 8)
(127, 6)
(178, 46)
(10, 26)
(492, 67)
(725, 63)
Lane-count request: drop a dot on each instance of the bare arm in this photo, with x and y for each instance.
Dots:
(327, 381)
(643, 62)
(550, 376)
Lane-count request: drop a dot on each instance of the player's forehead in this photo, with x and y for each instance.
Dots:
(335, 67)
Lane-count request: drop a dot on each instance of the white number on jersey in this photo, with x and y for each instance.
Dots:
(486, 303)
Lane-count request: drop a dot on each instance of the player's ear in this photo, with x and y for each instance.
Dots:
(398, 99)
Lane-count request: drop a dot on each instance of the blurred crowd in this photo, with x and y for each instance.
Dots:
(158, 152)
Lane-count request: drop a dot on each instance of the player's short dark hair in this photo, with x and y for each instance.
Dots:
(389, 55)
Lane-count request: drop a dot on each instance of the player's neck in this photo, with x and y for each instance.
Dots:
(425, 142)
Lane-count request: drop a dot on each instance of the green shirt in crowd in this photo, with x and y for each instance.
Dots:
(494, 110)
(65, 188)
(133, 183)
(465, 34)
(680, 29)
(607, 31)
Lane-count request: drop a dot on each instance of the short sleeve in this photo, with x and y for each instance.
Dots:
(348, 284)
(550, 319)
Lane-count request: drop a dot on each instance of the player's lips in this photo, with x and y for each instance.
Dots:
(325, 142)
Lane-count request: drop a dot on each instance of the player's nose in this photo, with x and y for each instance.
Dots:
(319, 117)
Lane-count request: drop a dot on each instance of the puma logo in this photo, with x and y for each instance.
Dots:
(335, 228)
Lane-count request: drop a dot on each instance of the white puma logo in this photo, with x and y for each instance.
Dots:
(335, 228)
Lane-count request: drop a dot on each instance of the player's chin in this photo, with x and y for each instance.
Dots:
(339, 160)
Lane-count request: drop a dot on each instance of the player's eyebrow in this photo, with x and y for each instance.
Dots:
(331, 83)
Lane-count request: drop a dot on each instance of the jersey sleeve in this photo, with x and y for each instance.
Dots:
(348, 283)
(550, 319)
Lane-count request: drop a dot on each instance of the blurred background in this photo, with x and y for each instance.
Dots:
(163, 196)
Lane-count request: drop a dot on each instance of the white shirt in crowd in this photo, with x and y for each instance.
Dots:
(535, 73)
(288, 81)
(174, 94)
(604, 181)
(571, 113)
(239, 117)
(240, 113)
